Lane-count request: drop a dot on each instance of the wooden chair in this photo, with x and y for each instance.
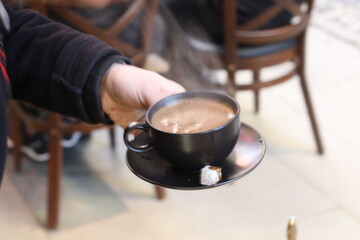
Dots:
(52, 125)
(249, 47)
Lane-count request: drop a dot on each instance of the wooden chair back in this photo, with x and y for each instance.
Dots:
(252, 34)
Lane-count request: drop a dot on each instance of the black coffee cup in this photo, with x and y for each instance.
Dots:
(190, 150)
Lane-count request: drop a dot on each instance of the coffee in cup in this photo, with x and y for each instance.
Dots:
(192, 115)
(190, 130)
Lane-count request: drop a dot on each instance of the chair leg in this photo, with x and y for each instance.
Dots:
(54, 180)
(160, 192)
(311, 114)
(256, 92)
(16, 137)
(54, 172)
(231, 87)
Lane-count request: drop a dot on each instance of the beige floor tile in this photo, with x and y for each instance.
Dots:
(340, 115)
(239, 229)
(122, 226)
(16, 220)
(331, 225)
(272, 193)
(336, 174)
(183, 212)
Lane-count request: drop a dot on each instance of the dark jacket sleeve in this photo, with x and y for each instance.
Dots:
(55, 67)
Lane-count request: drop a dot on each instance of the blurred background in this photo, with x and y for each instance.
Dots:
(102, 199)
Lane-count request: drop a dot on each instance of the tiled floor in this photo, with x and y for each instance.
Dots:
(339, 18)
(323, 192)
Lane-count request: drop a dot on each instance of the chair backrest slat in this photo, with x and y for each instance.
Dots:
(261, 19)
(251, 32)
(272, 35)
(126, 18)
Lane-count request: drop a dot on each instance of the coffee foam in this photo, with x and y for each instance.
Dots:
(192, 115)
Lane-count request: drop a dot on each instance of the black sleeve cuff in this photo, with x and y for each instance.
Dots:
(91, 95)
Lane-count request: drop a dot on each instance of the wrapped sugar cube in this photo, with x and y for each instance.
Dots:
(210, 175)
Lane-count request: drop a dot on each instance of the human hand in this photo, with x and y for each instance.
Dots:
(128, 91)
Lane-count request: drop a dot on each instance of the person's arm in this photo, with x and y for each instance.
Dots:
(49, 63)
(60, 69)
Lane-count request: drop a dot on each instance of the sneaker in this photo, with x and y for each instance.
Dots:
(36, 147)
(70, 140)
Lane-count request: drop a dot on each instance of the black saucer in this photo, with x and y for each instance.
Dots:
(149, 166)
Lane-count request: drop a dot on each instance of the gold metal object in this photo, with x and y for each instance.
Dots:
(291, 229)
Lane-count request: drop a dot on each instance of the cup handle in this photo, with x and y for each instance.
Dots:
(133, 126)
